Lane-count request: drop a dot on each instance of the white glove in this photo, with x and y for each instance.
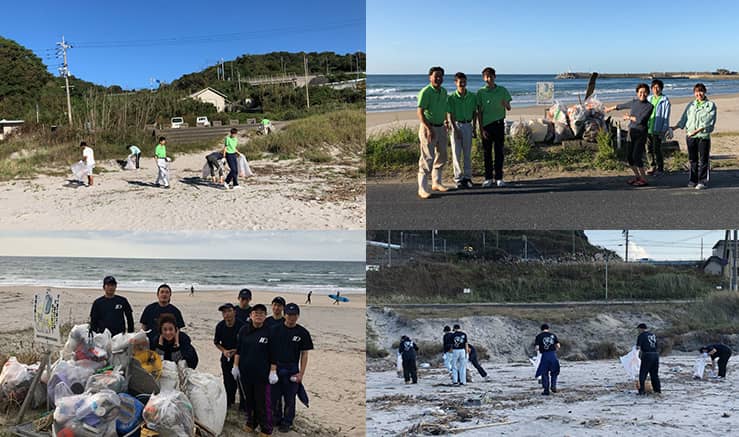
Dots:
(273, 377)
(235, 372)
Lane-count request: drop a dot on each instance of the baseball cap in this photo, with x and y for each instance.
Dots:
(226, 306)
(245, 293)
(258, 307)
(109, 280)
(641, 326)
(292, 308)
(280, 300)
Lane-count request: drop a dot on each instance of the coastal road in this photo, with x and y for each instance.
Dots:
(561, 203)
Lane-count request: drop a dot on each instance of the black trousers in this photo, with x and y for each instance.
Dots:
(635, 152)
(229, 382)
(138, 157)
(233, 165)
(480, 370)
(699, 150)
(723, 360)
(650, 365)
(654, 149)
(495, 139)
(258, 406)
(410, 371)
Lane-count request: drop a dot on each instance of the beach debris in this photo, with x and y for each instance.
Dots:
(726, 415)
(700, 366)
(593, 423)
(170, 413)
(521, 129)
(15, 380)
(424, 365)
(208, 397)
(557, 113)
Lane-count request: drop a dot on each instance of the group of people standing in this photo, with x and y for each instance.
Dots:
(263, 358)
(460, 116)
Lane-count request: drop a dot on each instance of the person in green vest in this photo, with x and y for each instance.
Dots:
(267, 126)
(698, 119)
(162, 160)
(231, 153)
(462, 113)
(432, 133)
(657, 126)
(492, 103)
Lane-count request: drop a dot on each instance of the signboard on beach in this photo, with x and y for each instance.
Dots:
(46, 324)
(544, 93)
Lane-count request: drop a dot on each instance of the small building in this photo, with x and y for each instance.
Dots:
(212, 96)
(8, 126)
(714, 266)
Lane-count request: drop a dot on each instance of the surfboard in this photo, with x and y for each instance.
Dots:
(339, 298)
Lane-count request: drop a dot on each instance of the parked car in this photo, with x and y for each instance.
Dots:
(202, 121)
(177, 122)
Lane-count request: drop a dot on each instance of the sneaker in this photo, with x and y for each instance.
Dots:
(236, 187)
(545, 393)
(461, 185)
(554, 390)
(284, 428)
(641, 393)
(166, 186)
(225, 186)
(488, 183)
(468, 183)
(701, 186)
(248, 428)
(691, 184)
(500, 183)
(651, 171)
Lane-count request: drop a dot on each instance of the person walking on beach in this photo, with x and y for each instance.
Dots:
(225, 339)
(171, 344)
(150, 317)
(289, 346)
(162, 161)
(473, 360)
(640, 112)
(698, 120)
(460, 351)
(721, 352)
(447, 348)
(462, 113)
(310, 293)
(548, 369)
(110, 311)
(243, 309)
(338, 298)
(88, 157)
(135, 154)
(432, 133)
(278, 312)
(646, 344)
(407, 350)
(231, 154)
(192, 290)
(492, 103)
(251, 366)
(657, 126)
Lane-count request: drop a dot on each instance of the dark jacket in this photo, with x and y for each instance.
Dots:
(169, 352)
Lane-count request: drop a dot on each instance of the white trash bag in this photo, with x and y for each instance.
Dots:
(700, 365)
(170, 378)
(170, 414)
(244, 169)
(79, 170)
(208, 397)
(631, 363)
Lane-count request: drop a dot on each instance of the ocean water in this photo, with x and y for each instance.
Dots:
(323, 277)
(398, 92)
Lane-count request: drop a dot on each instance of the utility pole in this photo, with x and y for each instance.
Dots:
(389, 250)
(238, 76)
(357, 65)
(63, 46)
(483, 241)
(573, 243)
(701, 248)
(305, 68)
(525, 248)
(606, 276)
(626, 236)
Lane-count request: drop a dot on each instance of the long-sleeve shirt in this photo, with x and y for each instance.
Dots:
(639, 110)
(109, 313)
(168, 351)
(659, 121)
(699, 115)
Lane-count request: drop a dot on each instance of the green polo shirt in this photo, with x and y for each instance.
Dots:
(433, 102)
(654, 100)
(160, 151)
(462, 107)
(489, 103)
(231, 143)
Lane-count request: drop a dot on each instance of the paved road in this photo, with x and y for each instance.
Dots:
(561, 203)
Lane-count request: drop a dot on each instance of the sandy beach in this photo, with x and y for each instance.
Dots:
(288, 194)
(727, 121)
(335, 379)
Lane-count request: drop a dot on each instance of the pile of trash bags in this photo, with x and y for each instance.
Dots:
(111, 386)
(562, 123)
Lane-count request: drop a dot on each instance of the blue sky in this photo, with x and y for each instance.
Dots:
(528, 36)
(268, 245)
(138, 35)
(659, 245)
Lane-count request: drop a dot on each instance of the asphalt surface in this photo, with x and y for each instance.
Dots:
(561, 203)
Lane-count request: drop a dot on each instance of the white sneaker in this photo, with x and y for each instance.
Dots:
(236, 187)
(500, 183)
(700, 186)
(488, 183)
(225, 186)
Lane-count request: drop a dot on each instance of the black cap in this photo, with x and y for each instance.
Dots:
(245, 293)
(109, 280)
(447, 328)
(226, 306)
(291, 308)
(280, 300)
(258, 307)
(544, 326)
(641, 326)
(456, 326)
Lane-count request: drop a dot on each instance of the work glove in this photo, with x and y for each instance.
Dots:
(235, 372)
(273, 377)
